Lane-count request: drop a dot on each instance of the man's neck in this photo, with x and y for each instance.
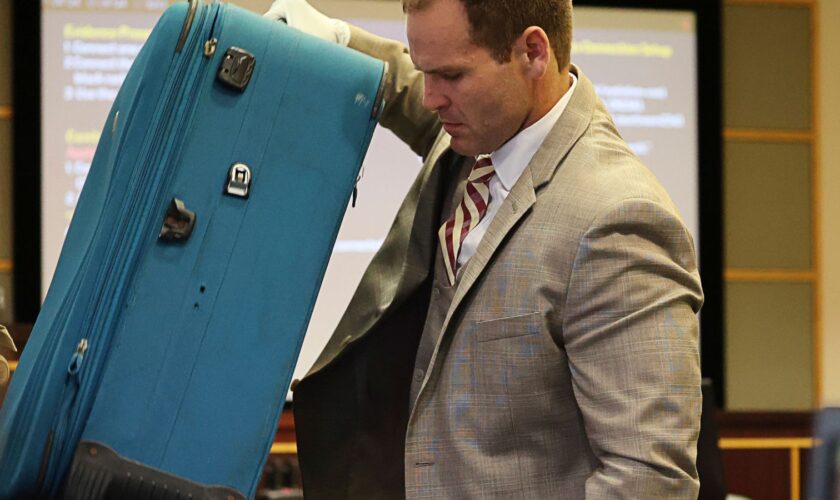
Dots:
(547, 93)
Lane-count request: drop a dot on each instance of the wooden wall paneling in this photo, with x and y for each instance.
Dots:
(754, 445)
(751, 458)
(804, 467)
(827, 199)
(769, 275)
(7, 299)
(771, 95)
(794, 425)
(758, 474)
(6, 193)
(6, 116)
(767, 135)
(5, 59)
(784, 3)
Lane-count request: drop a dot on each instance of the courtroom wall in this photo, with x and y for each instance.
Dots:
(829, 123)
(6, 117)
(782, 185)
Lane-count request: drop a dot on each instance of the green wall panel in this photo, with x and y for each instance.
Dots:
(767, 205)
(6, 295)
(769, 358)
(767, 66)
(5, 52)
(6, 298)
(5, 189)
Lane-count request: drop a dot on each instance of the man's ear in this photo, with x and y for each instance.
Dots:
(535, 49)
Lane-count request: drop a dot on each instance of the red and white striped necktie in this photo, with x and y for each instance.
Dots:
(467, 215)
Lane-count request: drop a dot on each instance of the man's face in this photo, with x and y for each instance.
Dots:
(481, 102)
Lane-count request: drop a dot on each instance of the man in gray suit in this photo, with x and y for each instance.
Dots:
(528, 329)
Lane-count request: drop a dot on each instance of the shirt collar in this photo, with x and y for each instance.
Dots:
(511, 159)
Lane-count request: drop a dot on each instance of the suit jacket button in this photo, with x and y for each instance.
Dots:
(295, 382)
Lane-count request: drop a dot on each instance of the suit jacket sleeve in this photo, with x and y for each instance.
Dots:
(631, 334)
(404, 113)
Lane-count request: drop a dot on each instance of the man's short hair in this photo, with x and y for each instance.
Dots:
(496, 24)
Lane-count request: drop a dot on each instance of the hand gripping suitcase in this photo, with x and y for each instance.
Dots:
(160, 362)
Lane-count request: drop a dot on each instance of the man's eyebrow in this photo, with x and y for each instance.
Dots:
(442, 69)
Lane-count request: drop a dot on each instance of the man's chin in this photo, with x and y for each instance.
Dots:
(464, 147)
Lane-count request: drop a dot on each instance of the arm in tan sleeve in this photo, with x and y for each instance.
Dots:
(404, 113)
(631, 334)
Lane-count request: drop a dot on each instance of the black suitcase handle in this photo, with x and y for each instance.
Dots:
(187, 25)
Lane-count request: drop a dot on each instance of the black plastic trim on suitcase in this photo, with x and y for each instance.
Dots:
(380, 94)
(236, 68)
(178, 223)
(99, 473)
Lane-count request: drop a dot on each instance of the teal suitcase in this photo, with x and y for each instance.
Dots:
(160, 361)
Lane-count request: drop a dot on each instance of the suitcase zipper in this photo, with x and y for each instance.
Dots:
(123, 258)
(192, 70)
(42, 364)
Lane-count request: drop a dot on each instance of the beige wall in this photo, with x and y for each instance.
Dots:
(829, 150)
(768, 170)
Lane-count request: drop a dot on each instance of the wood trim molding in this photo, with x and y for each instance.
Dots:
(6, 266)
(6, 112)
(284, 449)
(795, 474)
(737, 443)
(769, 275)
(764, 424)
(793, 445)
(784, 3)
(816, 216)
(768, 135)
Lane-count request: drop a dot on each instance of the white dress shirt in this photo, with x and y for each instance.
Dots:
(510, 161)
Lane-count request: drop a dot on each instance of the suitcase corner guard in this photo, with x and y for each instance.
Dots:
(379, 100)
(98, 472)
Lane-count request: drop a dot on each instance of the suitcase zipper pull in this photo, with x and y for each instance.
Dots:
(210, 47)
(356, 187)
(78, 356)
(211, 42)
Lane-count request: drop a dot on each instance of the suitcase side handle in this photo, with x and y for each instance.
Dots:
(185, 31)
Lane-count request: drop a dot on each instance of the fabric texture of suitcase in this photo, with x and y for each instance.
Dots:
(159, 364)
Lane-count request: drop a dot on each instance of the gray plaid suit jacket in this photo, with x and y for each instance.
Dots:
(568, 364)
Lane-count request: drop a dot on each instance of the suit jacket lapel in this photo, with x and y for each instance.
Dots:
(565, 133)
(406, 259)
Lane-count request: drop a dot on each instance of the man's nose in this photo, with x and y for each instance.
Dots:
(433, 99)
